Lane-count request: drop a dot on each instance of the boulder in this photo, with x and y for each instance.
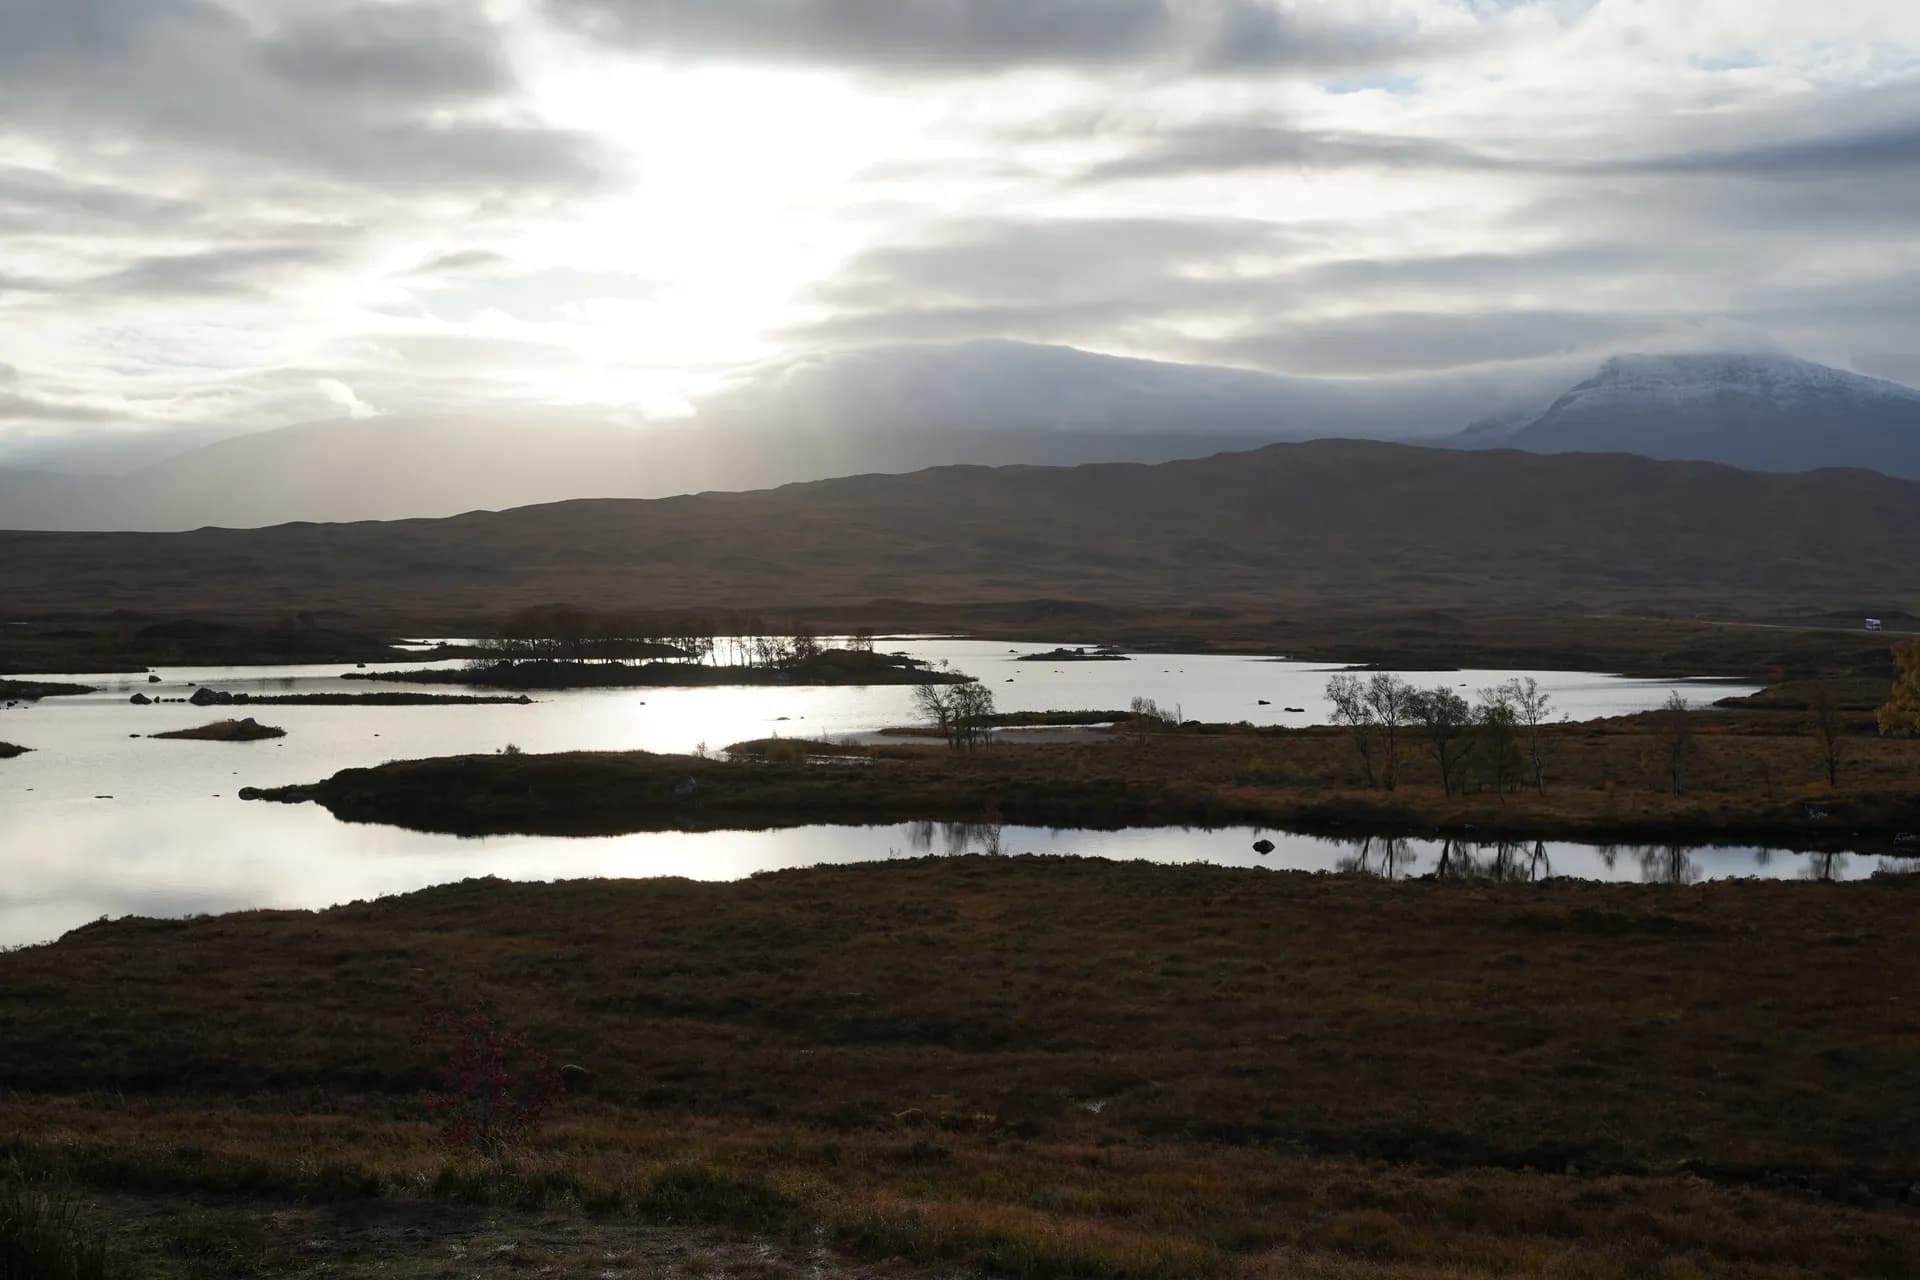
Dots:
(204, 697)
(140, 700)
(1263, 847)
(152, 679)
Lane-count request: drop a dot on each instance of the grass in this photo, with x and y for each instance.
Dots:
(247, 730)
(794, 750)
(1039, 1067)
(1755, 775)
(41, 1237)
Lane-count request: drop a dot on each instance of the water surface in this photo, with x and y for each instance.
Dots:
(172, 838)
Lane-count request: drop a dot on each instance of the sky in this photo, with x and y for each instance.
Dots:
(223, 215)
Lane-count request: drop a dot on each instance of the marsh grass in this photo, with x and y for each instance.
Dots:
(1753, 775)
(42, 1237)
(1040, 1067)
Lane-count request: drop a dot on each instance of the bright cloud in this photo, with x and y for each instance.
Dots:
(237, 213)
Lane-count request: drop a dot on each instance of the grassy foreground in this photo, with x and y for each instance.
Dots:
(1037, 1067)
(1754, 774)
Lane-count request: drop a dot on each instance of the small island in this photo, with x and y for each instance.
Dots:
(8, 751)
(1105, 653)
(34, 690)
(247, 730)
(820, 667)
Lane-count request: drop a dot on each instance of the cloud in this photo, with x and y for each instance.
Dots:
(984, 37)
(338, 392)
(1236, 145)
(1394, 342)
(1048, 279)
(460, 260)
(37, 200)
(397, 95)
(238, 270)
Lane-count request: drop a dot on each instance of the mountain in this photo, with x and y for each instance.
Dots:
(399, 468)
(1767, 412)
(904, 408)
(1321, 526)
(895, 409)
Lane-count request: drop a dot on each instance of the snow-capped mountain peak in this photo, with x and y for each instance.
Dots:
(1766, 412)
(1680, 378)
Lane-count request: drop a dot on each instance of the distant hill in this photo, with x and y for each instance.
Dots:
(398, 468)
(1771, 413)
(897, 409)
(1317, 526)
(905, 408)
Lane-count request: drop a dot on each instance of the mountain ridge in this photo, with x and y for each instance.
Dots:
(1323, 525)
(902, 409)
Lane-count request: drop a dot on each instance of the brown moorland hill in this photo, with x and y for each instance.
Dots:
(1327, 524)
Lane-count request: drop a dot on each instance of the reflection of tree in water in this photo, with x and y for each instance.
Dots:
(1668, 864)
(1388, 859)
(1503, 861)
(1823, 866)
(955, 838)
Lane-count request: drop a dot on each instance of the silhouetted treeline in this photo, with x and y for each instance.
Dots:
(719, 637)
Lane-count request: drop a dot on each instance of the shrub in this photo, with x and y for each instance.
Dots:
(497, 1087)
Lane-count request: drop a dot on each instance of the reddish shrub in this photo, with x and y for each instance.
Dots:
(496, 1087)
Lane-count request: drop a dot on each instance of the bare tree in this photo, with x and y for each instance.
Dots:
(1676, 735)
(972, 705)
(1444, 717)
(1497, 752)
(1350, 709)
(1150, 717)
(1532, 711)
(1390, 700)
(934, 704)
(1826, 725)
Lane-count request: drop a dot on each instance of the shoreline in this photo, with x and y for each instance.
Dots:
(1115, 781)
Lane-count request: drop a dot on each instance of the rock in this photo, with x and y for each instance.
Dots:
(153, 679)
(249, 793)
(224, 698)
(242, 697)
(1263, 847)
(141, 700)
(1263, 702)
(204, 698)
